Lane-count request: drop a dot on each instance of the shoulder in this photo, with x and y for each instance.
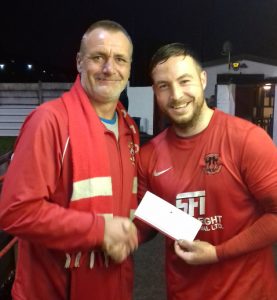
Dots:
(154, 148)
(242, 136)
(232, 122)
(54, 108)
(51, 113)
(156, 142)
(235, 128)
(49, 119)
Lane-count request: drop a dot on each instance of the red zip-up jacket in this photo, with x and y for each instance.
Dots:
(34, 206)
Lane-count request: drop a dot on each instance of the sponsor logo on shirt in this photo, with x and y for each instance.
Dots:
(194, 204)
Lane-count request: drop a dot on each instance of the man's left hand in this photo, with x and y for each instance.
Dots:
(196, 252)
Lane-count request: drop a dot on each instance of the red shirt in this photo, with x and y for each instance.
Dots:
(226, 176)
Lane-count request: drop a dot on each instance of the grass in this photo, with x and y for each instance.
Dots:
(6, 144)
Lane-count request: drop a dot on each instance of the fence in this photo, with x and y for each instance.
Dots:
(17, 100)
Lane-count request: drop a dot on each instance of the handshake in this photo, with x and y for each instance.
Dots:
(120, 238)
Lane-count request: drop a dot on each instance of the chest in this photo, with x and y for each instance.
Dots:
(206, 170)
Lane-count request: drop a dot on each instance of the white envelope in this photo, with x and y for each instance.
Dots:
(167, 218)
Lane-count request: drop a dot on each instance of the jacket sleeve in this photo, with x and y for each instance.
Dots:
(259, 170)
(34, 200)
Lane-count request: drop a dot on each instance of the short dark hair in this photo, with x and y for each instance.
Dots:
(109, 26)
(169, 50)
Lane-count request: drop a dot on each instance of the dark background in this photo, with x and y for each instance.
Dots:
(47, 33)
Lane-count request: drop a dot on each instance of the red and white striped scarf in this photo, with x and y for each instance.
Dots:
(92, 183)
(91, 168)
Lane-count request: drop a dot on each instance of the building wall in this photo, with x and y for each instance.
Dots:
(141, 99)
(252, 68)
(275, 118)
(225, 93)
(141, 105)
(226, 98)
(17, 100)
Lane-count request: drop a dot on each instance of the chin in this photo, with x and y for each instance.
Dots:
(109, 93)
(181, 120)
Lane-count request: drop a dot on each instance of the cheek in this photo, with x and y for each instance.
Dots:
(90, 80)
(162, 100)
(125, 72)
(193, 92)
(87, 80)
(91, 68)
(190, 89)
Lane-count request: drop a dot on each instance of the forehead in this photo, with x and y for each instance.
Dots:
(175, 67)
(100, 39)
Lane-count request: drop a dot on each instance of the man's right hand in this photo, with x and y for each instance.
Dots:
(120, 238)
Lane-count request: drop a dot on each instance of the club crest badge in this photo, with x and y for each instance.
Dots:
(133, 149)
(213, 164)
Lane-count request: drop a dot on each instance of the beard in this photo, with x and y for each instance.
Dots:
(186, 122)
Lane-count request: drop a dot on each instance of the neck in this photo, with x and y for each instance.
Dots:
(109, 121)
(105, 110)
(196, 127)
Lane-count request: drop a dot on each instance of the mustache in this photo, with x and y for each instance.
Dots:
(183, 100)
(106, 76)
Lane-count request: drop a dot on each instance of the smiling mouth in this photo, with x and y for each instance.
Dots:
(107, 79)
(179, 106)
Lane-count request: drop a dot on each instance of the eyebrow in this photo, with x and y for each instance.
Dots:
(107, 54)
(97, 53)
(184, 76)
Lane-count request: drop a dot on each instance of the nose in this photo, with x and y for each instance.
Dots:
(109, 67)
(176, 92)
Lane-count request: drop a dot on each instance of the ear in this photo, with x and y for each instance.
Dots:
(203, 78)
(79, 62)
(154, 87)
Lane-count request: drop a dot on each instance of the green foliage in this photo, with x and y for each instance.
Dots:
(6, 144)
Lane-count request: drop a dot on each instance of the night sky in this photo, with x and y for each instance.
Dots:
(47, 33)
